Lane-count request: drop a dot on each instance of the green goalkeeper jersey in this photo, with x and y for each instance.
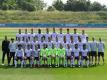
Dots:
(43, 52)
(61, 52)
(54, 51)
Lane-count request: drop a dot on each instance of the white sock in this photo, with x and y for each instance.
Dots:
(15, 63)
(87, 62)
(22, 62)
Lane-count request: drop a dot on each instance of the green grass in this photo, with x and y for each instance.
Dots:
(53, 17)
(93, 73)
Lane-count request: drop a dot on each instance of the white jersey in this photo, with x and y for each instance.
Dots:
(88, 46)
(60, 37)
(65, 45)
(56, 44)
(68, 37)
(54, 35)
(19, 36)
(72, 45)
(76, 52)
(36, 53)
(32, 43)
(25, 36)
(85, 52)
(28, 52)
(47, 36)
(19, 53)
(93, 46)
(39, 37)
(101, 47)
(12, 47)
(31, 36)
(68, 52)
(83, 37)
(75, 37)
(80, 46)
(49, 45)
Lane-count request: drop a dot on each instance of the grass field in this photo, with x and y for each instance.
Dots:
(93, 73)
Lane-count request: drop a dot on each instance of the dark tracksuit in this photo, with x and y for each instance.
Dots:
(5, 50)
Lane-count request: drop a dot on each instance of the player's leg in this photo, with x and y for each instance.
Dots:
(15, 61)
(102, 56)
(95, 58)
(99, 57)
(22, 61)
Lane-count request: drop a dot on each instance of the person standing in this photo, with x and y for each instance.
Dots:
(12, 47)
(5, 49)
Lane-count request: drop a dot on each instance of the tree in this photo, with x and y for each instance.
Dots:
(51, 8)
(58, 4)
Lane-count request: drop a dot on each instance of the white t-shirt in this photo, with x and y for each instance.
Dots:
(83, 37)
(76, 52)
(93, 46)
(28, 52)
(68, 52)
(19, 53)
(101, 47)
(85, 52)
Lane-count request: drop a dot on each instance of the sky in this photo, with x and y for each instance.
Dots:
(49, 2)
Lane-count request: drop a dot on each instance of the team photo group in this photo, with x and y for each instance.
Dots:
(53, 49)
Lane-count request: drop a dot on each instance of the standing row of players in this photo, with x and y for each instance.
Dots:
(56, 48)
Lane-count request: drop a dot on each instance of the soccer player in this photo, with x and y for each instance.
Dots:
(12, 47)
(19, 55)
(47, 35)
(43, 55)
(93, 46)
(62, 54)
(54, 35)
(31, 35)
(75, 36)
(76, 55)
(25, 36)
(60, 36)
(72, 43)
(88, 48)
(83, 36)
(85, 55)
(68, 55)
(19, 35)
(53, 55)
(28, 52)
(101, 48)
(68, 36)
(39, 35)
(37, 55)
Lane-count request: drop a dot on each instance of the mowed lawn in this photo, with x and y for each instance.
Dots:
(92, 73)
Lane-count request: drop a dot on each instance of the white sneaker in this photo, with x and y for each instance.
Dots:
(2, 64)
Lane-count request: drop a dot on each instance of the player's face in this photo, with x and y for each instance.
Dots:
(71, 39)
(75, 31)
(28, 47)
(19, 31)
(5, 37)
(93, 39)
(84, 47)
(76, 46)
(47, 30)
(83, 32)
(100, 39)
(60, 30)
(87, 38)
(19, 47)
(67, 31)
(31, 31)
(25, 31)
(39, 31)
(53, 30)
(12, 40)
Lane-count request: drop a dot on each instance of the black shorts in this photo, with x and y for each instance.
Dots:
(28, 58)
(68, 57)
(84, 58)
(100, 54)
(77, 57)
(89, 53)
(37, 58)
(19, 58)
(93, 53)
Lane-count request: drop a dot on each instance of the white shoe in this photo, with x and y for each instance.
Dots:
(2, 64)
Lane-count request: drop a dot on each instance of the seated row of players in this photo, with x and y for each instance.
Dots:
(57, 50)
